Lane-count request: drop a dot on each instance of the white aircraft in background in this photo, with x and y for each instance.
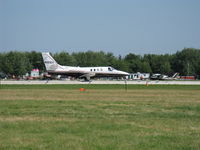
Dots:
(54, 68)
(174, 77)
(164, 77)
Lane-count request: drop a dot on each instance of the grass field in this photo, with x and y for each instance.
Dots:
(104, 117)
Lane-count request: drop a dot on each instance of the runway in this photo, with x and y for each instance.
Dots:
(31, 82)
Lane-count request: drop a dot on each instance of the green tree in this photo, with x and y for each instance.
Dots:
(91, 58)
(16, 63)
(187, 62)
(110, 59)
(64, 58)
(120, 65)
(165, 68)
(159, 63)
(1, 62)
(134, 62)
(35, 60)
(145, 67)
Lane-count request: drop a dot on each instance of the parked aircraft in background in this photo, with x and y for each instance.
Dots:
(174, 77)
(164, 77)
(156, 76)
(54, 68)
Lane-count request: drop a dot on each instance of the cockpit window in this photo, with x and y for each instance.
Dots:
(110, 69)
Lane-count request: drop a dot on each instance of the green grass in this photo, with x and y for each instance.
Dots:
(104, 117)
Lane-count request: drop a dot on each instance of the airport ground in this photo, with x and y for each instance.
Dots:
(159, 117)
(140, 82)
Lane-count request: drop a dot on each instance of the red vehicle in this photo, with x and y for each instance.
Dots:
(187, 77)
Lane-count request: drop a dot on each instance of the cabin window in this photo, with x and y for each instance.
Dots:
(101, 69)
(97, 69)
(90, 69)
(94, 69)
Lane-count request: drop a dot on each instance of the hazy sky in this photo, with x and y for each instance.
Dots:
(118, 26)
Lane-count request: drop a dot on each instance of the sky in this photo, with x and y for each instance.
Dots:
(117, 26)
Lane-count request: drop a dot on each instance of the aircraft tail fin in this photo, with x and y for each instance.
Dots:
(49, 62)
(175, 75)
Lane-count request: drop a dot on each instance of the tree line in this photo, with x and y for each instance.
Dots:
(186, 61)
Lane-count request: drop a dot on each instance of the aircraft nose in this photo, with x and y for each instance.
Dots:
(124, 73)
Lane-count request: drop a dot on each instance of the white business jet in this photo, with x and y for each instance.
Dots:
(53, 68)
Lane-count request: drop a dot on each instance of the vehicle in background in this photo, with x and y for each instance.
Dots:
(34, 74)
(186, 77)
(3, 75)
(138, 76)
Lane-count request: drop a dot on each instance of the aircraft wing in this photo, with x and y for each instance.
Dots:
(87, 75)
